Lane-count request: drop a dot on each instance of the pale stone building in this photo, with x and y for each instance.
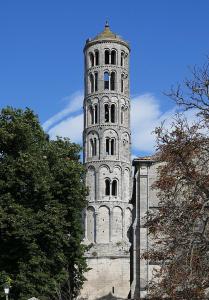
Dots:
(107, 157)
(144, 199)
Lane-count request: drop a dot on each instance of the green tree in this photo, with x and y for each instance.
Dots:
(42, 194)
(179, 227)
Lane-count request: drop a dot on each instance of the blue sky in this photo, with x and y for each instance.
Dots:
(41, 56)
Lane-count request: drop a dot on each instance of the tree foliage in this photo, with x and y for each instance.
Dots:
(179, 227)
(42, 194)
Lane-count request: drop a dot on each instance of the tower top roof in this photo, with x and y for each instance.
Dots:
(107, 35)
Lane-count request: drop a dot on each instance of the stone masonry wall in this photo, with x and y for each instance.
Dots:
(146, 198)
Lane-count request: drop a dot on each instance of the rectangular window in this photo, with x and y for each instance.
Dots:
(112, 147)
(95, 114)
(107, 146)
(96, 58)
(106, 80)
(96, 82)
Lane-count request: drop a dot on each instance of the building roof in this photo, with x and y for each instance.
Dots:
(144, 159)
(107, 35)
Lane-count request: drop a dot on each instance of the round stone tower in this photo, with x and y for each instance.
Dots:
(107, 157)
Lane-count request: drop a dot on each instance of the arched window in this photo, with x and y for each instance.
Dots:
(96, 57)
(91, 77)
(112, 146)
(107, 57)
(91, 113)
(91, 224)
(122, 59)
(122, 83)
(112, 113)
(106, 80)
(107, 187)
(112, 81)
(96, 114)
(91, 147)
(113, 57)
(91, 59)
(107, 146)
(114, 188)
(107, 116)
(96, 81)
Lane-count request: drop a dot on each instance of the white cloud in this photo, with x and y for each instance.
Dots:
(145, 116)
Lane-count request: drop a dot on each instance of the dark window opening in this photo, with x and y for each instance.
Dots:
(91, 58)
(96, 114)
(95, 147)
(91, 83)
(113, 113)
(113, 57)
(107, 146)
(107, 187)
(91, 115)
(106, 80)
(96, 58)
(122, 59)
(112, 152)
(112, 81)
(113, 290)
(96, 81)
(122, 84)
(114, 188)
(106, 113)
(107, 57)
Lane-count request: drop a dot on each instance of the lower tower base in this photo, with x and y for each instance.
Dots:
(109, 275)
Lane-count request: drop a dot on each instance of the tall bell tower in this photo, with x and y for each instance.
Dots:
(107, 157)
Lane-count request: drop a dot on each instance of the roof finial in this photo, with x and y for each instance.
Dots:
(106, 24)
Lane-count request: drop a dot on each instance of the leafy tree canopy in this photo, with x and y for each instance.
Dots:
(42, 194)
(179, 227)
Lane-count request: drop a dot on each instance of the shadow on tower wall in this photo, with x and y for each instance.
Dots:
(131, 230)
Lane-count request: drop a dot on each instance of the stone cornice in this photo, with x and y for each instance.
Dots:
(110, 126)
(106, 161)
(107, 94)
(90, 43)
(106, 66)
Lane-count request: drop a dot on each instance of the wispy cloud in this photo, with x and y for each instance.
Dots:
(75, 104)
(71, 127)
(146, 113)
